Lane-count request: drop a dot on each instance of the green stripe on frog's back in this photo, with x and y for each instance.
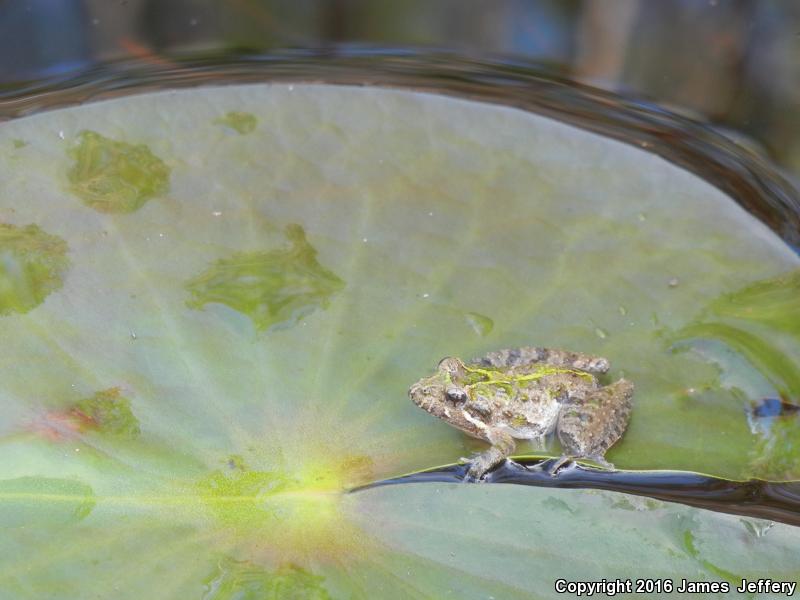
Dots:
(501, 378)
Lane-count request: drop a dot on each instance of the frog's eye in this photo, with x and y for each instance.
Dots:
(456, 395)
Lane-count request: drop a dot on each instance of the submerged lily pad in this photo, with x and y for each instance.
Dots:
(761, 324)
(32, 265)
(112, 176)
(235, 448)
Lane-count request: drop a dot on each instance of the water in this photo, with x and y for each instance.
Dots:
(214, 323)
(754, 498)
(745, 177)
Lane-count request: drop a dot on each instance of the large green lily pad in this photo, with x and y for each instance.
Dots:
(228, 350)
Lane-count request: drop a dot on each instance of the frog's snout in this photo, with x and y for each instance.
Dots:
(416, 395)
(424, 395)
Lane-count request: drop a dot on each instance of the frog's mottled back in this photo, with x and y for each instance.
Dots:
(528, 355)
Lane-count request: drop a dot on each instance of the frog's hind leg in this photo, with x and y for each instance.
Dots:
(589, 428)
(528, 355)
(502, 447)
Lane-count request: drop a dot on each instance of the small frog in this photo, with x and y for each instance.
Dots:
(526, 393)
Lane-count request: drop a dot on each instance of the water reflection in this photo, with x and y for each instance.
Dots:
(732, 62)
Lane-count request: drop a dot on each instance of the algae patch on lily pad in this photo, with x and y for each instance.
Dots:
(241, 122)
(276, 287)
(113, 176)
(212, 371)
(32, 265)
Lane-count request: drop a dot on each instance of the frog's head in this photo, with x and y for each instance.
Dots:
(441, 393)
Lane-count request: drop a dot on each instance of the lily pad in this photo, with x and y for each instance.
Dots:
(44, 500)
(241, 348)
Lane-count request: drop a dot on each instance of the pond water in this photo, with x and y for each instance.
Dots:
(213, 301)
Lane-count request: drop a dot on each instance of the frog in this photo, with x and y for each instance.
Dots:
(527, 393)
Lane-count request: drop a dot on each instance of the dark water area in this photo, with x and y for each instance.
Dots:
(748, 178)
(754, 498)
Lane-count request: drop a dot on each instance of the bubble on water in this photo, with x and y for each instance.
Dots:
(757, 527)
(673, 282)
(480, 324)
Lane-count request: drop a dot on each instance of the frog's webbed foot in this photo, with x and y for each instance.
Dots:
(502, 446)
(482, 464)
(528, 355)
(558, 465)
(565, 460)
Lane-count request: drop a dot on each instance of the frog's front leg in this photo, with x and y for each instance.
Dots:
(503, 446)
